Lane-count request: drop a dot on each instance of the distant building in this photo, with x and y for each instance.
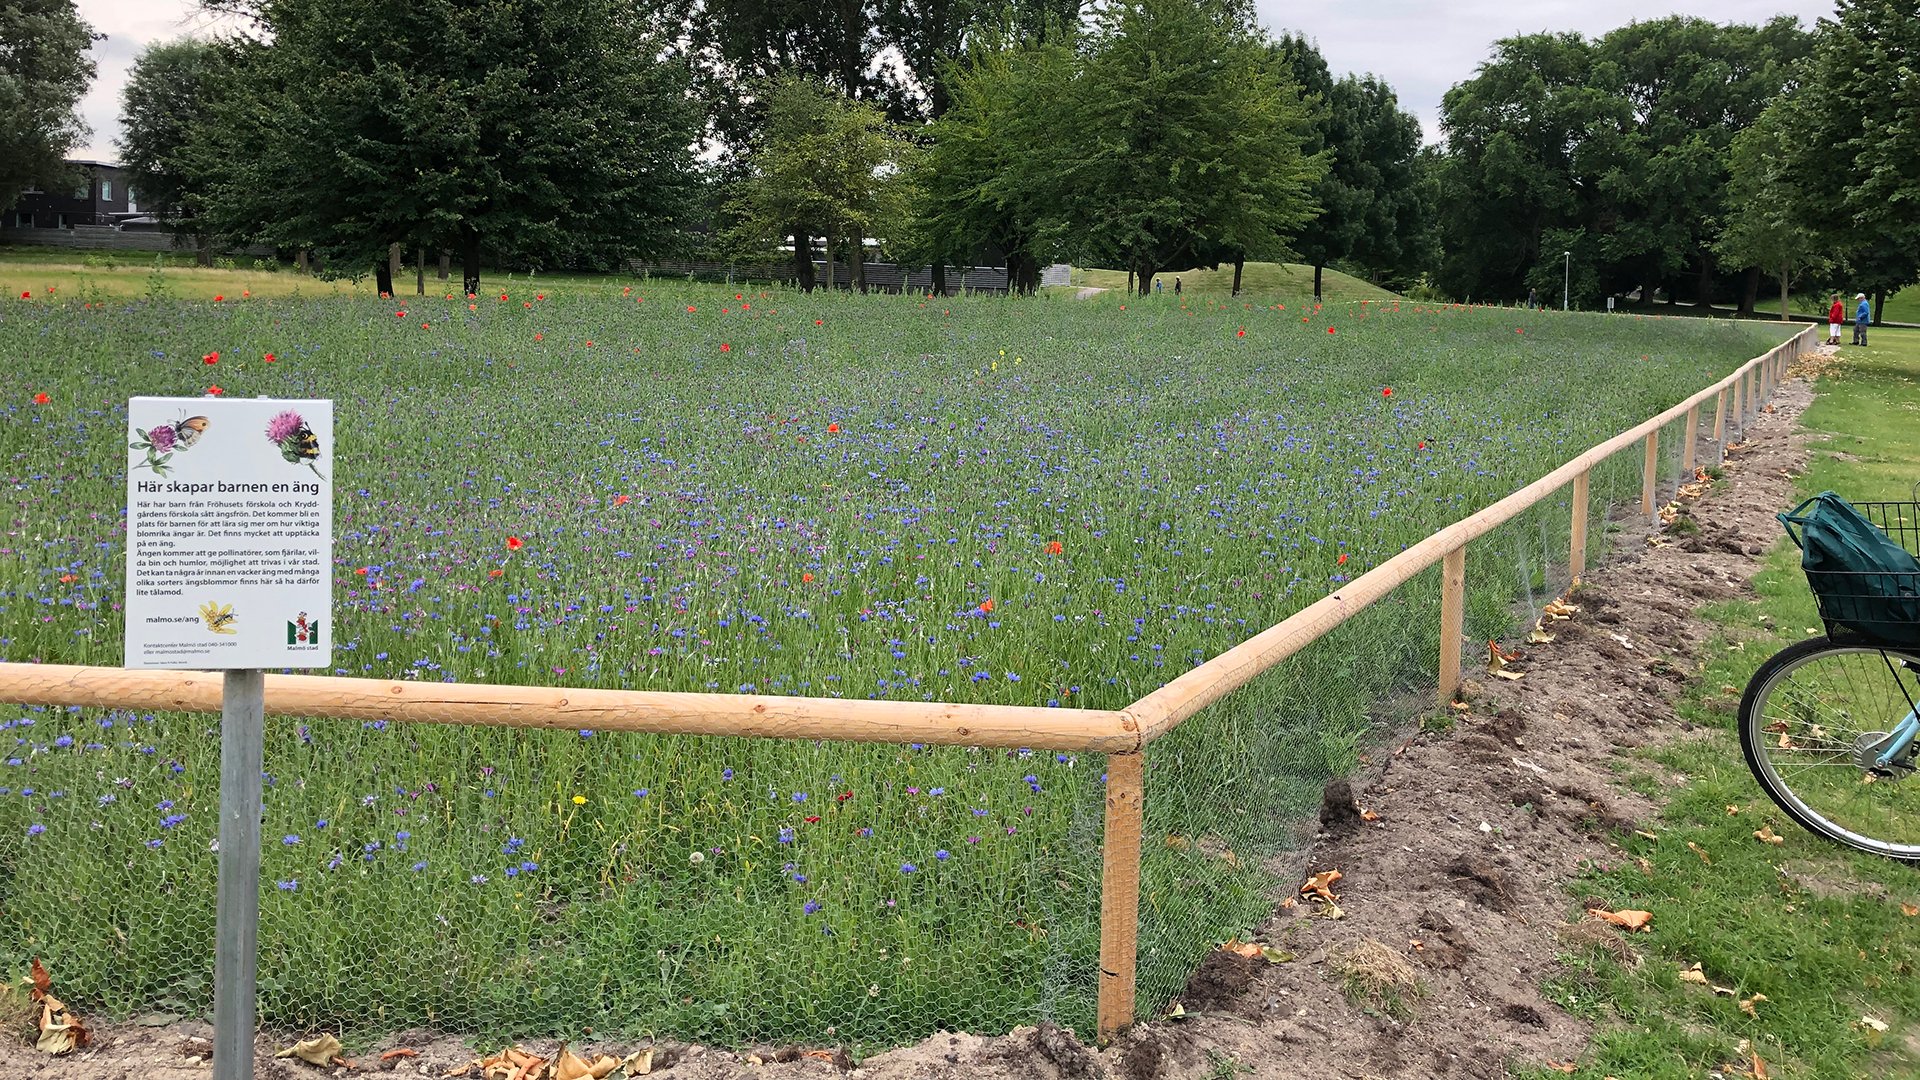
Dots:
(100, 197)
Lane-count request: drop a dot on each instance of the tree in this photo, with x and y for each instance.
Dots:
(538, 131)
(1185, 138)
(992, 175)
(44, 68)
(1768, 225)
(825, 163)
(1855, 144)
(171, 94)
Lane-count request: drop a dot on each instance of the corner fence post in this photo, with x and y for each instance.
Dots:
(1577, 551)
(1453, 610)
(1648, 472)
(1687, 441)
(1120, 890)
(237, 903)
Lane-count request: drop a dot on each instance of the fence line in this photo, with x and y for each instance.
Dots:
(1123, 735)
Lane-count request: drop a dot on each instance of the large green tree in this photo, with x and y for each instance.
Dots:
(1182, 137)
(539, 132)
(1854, 141)
(1375, 208)
(171, 95)
(1767, 224)
(44, 68)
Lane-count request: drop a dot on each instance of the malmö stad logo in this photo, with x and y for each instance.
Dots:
(302, 632)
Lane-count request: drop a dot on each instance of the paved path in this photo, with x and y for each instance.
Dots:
(1088, 293)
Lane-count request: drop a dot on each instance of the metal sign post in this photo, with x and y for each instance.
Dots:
(242, 753)
(230, 568)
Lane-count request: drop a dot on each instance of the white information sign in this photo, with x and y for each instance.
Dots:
(229, 533)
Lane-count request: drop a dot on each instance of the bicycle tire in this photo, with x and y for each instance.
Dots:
(1802, 742)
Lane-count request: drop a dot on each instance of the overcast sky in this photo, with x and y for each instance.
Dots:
(1421, 47)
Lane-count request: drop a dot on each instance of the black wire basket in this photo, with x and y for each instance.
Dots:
(1878, 608)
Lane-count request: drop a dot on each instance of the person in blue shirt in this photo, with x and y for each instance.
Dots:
(1860, 316)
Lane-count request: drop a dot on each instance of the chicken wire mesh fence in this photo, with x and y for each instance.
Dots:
(538, 882)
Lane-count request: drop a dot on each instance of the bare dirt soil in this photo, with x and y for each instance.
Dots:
(1454, 896)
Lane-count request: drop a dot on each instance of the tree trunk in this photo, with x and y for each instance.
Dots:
(829, 249)
(803, 259)
(444, 260)
(1703, 284)
(470, 262)
(1879, 305)
(1785, 314)
(1316, 281)
(1129, 281)
(300, 260)
(383, 278)
(939, 271)
(204, 253)
(393, 266)
(1750, 291)
(420, 271)
(859, 262)
(1239, 264)
(1145, 272)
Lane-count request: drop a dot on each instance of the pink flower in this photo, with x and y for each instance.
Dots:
(161, 436)
(284, 426)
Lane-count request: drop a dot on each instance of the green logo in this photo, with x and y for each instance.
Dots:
(302, 632)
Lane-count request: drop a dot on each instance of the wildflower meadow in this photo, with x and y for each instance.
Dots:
(665, 486)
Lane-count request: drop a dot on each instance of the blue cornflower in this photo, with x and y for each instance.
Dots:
(810, 907)
(164, 804)
(799, 796)
(63, 741)
(287, 886)
(419, 866)
(907, 868)
(290, 839)
(726, 774)
(639, 793)
(514, 844)
(155, 843)
(477, 879)
(786, 834)
(36, 829)
(171, 820)
(943, 855)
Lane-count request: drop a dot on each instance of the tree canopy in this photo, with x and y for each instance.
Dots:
(44, 68)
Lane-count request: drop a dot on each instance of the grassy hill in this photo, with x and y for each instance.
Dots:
(1259, 278)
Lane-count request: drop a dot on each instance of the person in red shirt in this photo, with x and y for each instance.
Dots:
(1836, 315)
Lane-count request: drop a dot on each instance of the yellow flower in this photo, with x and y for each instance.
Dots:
(579, 800)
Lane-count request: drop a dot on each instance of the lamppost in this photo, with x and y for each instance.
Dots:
(1566, 277)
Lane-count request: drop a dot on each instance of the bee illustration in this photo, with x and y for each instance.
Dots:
(187, 432)
(219, 617)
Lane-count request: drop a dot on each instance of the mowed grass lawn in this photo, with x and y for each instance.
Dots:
(1829, 939)
(1028, 501)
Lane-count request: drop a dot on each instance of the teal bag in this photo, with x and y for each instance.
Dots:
(1864, 581)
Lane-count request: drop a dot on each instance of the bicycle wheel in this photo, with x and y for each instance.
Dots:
(1811, 722)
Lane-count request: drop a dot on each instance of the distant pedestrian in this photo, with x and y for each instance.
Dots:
(1158, 285)
(1836, 315)
(1533, 299)
(1176, 286)
(1860, 316)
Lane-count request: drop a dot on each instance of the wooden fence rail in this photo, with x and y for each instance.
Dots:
(1124, 735)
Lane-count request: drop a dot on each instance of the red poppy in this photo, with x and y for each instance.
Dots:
(1386, 391)
(589, 344)
(401, 314)
(739, 296)
(1242, 333)
(495, 572)
(26, 294)
(1423, 444)
(986, 606)
(269, 358)
(215, 391)
(362, 571)
(843, 796)
(806, 578)
(724, 347)
(1342, 560)
(1519, 329)
(746, 307)
(41, 398)
(833, 429)
(528, 304)
(539, 337)
(514, 543)
(1329, 329)
(1055, 548)
(539, 296)
(503, 296)
(620, 500)
(211, 358)
(628, 291)
(67, 579)
(691, 309)
(217, 299)
(423, 326)
(819, 322)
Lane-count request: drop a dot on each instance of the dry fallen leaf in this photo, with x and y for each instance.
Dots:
(1766, 835)
(571, 1066)
(1873, 1029)
(1759, 1066)
(1700, 851)
(1694, 975)
(61, 1032)
(1909, 910)
(1645, 835)
(1629, 920)
(1320, 886)
(1747, 1004)
(1562, 1066)
(1368, 815)
(1732, 810)
(320, 1050)
(639, 1063)
(402, 1052)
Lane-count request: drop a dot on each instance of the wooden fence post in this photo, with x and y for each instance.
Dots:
(1577, 551)
(1647, 473)
(1453, 611)
(1720, 417)
(1686, 446)
(1120, 890)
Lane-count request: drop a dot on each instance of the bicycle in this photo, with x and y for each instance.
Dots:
(1829, 726)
